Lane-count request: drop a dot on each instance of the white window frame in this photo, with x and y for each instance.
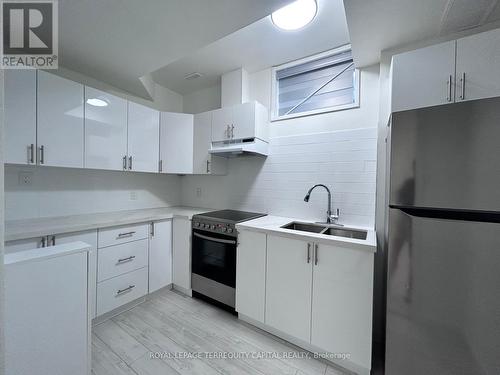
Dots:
(274, 89)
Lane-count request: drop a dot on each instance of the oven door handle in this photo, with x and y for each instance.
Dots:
(221, 240)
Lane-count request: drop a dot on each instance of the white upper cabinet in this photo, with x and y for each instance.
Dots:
(203, 161)
(424, 77)
(242, 121)
(342, 301)
(59, 121)
(478, 62)
(288, 286)
(105, 130)
(222, 120)
(176, 143)
(20, 116)
(143, 138)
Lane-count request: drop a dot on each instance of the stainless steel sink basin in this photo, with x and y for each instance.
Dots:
(304, 227)
(345, 232)
(328, 230)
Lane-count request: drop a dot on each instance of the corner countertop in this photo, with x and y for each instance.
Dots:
(272, 225)
(29, 228)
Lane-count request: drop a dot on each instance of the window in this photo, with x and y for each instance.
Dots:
(322, 83)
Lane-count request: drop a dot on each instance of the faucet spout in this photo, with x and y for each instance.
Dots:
(329, 208)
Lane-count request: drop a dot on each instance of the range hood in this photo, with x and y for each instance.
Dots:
(232, 148)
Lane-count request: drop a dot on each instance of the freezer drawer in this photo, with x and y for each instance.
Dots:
(443, 310)
(447, 156)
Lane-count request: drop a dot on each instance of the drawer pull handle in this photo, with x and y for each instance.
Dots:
(123, 260)
(127, 234)
(127, 289)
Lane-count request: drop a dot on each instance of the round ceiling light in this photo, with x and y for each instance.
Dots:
(96, 102)
(295, 15)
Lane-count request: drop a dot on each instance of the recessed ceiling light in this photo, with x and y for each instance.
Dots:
(295, 15)
(97, 102)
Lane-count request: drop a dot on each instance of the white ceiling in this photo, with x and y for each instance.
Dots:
(378, 25)
(255, 47)
(119, 41)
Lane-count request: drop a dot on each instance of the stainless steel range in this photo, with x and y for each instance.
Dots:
(214, 244)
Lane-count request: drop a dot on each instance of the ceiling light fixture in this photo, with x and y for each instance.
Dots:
(295, 15)
(97, 102)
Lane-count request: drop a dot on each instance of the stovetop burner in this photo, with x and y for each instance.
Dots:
(231, 215)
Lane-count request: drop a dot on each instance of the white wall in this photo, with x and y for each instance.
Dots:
(203, 100)
(337, 149)
(65, 191)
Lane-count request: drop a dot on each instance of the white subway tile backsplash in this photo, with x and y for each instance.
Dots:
(343, 160)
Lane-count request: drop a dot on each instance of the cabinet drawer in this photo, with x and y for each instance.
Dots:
(120, 259)
(122, 234)
(122, 289)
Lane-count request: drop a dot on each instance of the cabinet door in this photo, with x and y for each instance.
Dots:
(222, 120)
(59, 121)
(160, 255)
(203, 161)
(181, 240)
(342, 302)
(89, 237)
(176, 143)
(421, 78)
(244, 121)
(251, 275)
(288, 286)
(20, 116)
(478, 60)
(105, 130)
(48, 330)
(202, 132)
(143, 138)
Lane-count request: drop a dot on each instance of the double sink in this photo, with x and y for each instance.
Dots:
(326, 229)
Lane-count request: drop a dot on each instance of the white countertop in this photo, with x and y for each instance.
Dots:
(45, 253)
(29, 228)
(272, 225)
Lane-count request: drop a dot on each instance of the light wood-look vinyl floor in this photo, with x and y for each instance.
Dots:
(174, 323)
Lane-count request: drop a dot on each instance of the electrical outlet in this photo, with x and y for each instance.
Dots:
(25, 178)
(198, 192)
(133, 195)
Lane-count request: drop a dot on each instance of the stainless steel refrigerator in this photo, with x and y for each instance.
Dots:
(443, 284)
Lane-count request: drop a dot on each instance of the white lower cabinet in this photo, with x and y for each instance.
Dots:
(342, 302)
(160, 255)
(120, 259)
(288, 286)
(48, 330)
(181, 240)
(89, 237)
(251, 275)
(122, 289)
(319, 295)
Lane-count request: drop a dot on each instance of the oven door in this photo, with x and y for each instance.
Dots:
(214, 257)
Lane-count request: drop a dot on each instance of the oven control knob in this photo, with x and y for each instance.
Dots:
(204, 225)
(224, 229)
(229, 230)
(196, 224)
(212, 227)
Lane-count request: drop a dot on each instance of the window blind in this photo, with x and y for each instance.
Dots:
(322, 83)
